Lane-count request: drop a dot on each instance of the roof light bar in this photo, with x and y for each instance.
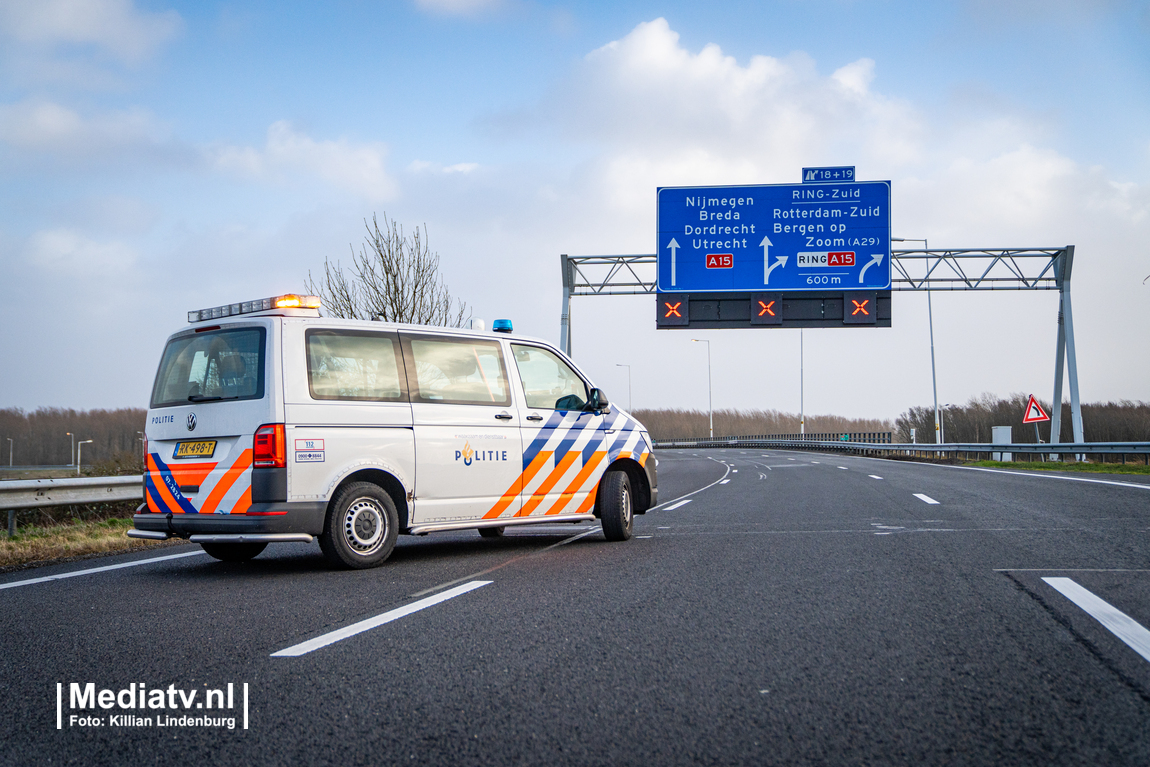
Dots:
(286, 301)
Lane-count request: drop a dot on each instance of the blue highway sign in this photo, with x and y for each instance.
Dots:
(774, 237)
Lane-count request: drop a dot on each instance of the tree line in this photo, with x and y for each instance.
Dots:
(695, 424)
(1122, 421)
(40, 437)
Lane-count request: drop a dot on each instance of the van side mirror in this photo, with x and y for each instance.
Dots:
(597, 402)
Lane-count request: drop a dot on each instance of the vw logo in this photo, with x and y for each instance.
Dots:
(191, 421)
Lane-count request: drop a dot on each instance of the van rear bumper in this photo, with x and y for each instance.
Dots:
(270, 518)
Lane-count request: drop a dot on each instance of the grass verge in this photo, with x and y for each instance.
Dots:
(41, 544)
(1093, 468)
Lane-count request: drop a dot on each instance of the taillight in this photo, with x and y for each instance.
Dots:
(269, 447)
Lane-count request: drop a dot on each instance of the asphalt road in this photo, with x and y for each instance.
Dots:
(797, 609)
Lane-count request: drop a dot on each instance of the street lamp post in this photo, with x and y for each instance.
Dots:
(945, 409)
(9, 451)
(143, 442)
(79, 450)
(621, 365)
(710, 407)
(72, 455)
(930, 320)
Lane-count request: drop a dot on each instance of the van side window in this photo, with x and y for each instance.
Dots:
(461, 371)
(354, 365)
(548, 382)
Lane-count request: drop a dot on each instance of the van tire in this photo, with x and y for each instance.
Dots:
(492, 532)
(616, 506)
(233, 552)
(360, 528)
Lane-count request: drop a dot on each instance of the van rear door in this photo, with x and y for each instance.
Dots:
(212, 392)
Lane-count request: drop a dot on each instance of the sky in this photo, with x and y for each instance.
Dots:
(157, 157)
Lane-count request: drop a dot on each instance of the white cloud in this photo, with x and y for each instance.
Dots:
(65, 252)
(288, 155)
(664, 115)
(458, 7)
(50, 127)
(115, 27)
(423, 166)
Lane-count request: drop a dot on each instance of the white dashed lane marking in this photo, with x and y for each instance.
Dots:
(724, 481)
(1130, 631)
(925, 498)
(874, 476)
(678, 505)
(303, 648)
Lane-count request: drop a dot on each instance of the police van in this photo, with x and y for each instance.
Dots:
(269, 423)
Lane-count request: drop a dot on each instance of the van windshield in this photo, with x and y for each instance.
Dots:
(211, 367)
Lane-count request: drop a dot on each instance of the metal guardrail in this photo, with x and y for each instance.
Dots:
(904, 448)
(826, 436)
(35, 493)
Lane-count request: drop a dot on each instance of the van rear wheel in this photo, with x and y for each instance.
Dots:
(616, 512)
(492, 532)
(233, 552)
(360, 528)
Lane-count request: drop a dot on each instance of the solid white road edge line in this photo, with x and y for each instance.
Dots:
(303, 648)
(925, 498)
(91, 570)
(678, 505)
(1130, 631)
(1037, 474)
(693, 492)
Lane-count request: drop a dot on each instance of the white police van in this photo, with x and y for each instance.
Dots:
(269, 423)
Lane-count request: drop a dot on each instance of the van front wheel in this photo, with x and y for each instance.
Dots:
(615, 509)
(360, 528)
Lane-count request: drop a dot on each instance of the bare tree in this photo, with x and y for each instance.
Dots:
(393, 278)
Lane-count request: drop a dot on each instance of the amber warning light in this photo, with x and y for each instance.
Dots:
(287, 301)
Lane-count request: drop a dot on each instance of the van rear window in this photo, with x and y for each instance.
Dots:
(210, 367)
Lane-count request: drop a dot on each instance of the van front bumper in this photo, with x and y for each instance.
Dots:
(277, 521)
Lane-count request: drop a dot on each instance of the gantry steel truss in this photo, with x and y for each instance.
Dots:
(918, 270)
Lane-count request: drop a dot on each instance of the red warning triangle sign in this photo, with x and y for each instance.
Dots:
(1034, 412)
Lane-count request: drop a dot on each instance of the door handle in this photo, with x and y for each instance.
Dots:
(504, 416)
(534, 417)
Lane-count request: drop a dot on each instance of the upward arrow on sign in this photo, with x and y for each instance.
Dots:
(1034, 412)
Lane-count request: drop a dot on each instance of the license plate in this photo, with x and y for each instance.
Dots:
(203, 448)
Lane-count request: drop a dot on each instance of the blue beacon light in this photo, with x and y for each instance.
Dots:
(501, 326)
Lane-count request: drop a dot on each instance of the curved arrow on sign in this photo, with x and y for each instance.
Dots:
(875, 258)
